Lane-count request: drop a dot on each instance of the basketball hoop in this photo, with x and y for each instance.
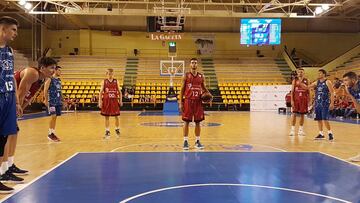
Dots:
(172, 68)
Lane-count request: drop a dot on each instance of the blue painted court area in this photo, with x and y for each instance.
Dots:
(197, 177)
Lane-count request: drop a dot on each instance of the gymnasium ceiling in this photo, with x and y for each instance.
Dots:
(200, 15)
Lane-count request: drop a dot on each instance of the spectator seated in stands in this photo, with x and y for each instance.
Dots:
(94, 98)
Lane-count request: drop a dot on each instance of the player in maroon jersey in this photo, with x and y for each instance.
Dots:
(299, 101)
(29, 81)
(190, 104)
(110, 100)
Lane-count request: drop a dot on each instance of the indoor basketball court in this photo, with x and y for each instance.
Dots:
(198, 98)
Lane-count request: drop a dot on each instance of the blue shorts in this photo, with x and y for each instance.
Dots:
(322, 113)
(8, 116)
(54, 110)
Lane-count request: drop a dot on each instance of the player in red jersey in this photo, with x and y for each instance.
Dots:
(110, 100)
(29, 81)
(299, 101)
(190, 104)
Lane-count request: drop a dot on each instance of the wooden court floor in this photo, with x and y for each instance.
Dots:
(223, 131)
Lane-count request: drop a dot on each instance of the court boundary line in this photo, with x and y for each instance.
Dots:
(230, 184)
(192, 125)
(338, 158)
(37, 178)
(268, 146)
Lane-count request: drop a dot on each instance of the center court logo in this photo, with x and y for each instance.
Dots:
(177, 124)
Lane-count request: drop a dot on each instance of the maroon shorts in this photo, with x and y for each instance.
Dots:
(193, 110)
(110, 107)
(300, 105)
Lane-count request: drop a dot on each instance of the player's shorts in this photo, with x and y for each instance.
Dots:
(322, 113)
(54, 110)
(8, 116)
(110, 107)
(300, 106)
(193, 111)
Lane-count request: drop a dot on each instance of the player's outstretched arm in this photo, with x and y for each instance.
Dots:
(182, 93)
(46, 92)
(100, 94)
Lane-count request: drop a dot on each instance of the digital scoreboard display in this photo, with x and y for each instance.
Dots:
(260, 31)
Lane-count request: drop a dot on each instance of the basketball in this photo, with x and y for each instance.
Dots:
(206, 97)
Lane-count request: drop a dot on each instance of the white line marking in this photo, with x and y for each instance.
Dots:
(126, 146)
(231, 184)
(31, 182)
(348, 162)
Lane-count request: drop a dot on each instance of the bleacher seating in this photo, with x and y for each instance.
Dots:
(249, 69)
(91, 67)
(82, 75)
(20, 60)
(149, 70)
(155, 91)
(351, 65)
(239, 92)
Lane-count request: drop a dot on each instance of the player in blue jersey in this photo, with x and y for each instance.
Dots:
(9, 102)
(53, 101)
(324, 102)
(352, 89)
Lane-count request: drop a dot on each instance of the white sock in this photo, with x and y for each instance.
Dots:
(4, 166)
(186, 138)
(11, 160)
(117, 128)
(107, 129)
(329, 132)
(1, 169)
(321, 133)
(292, 128)
(301, 128)
(197, 138)
(50, 131)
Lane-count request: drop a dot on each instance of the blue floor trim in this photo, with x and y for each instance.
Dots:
(33, 115)
(210, 177)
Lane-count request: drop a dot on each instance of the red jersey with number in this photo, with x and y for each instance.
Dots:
(301, 97)
(110, 104)
(111, 89)
(35, 87)
(193, 109)
(300, 92)
(193, 88)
